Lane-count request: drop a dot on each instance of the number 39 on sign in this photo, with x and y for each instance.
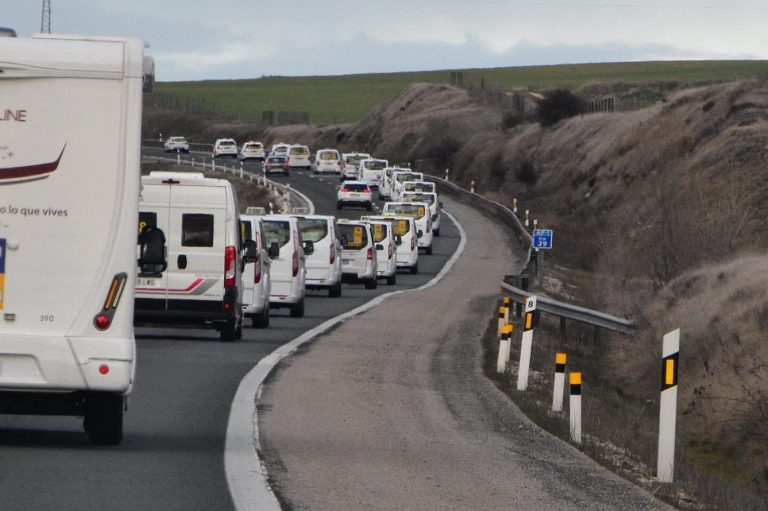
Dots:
(542, 239)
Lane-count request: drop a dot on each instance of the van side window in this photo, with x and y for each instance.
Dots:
(196, 230)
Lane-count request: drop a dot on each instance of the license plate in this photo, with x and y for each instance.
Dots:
(145, 282)
(346, 261)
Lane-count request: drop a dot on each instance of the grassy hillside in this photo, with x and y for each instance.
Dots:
(338, 99)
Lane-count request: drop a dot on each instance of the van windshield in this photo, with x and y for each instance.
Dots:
(418, 186)
(379, 232)
(375, 165)
(408, 176)
(313, 229)
(328, 156)
(299, 151)
(413, 210)
(277, 231)
(353, 237)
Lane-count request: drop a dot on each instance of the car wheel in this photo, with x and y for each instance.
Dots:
(392, 279)
(297, 310)
(415, 269)
(335, 291)
(429, 250)
(262, 320)
(103, 418)
(228, 332)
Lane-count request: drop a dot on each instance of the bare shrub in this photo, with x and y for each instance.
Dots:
(557, 105)
(497, 169)
(526, 173)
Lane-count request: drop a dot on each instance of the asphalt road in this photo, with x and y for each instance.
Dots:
(391, 411)
(172, 453)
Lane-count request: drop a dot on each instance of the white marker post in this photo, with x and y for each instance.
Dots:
(505, 345)
(527, 214)
(503, 320)
(559, 388)
(575, 407)
(514, 205)
(178, 158)
(446, 174)
(472, 186)
(665, 467)
(527, 343)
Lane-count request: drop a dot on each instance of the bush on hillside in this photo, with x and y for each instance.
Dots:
(441, 153)
(526, 173)
(557, 105)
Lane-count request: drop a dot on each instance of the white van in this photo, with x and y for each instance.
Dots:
(257, 283)
(371, 169)
(350, 162)
(358, 254)
(201, 285)
(419, 186)
(324, 263)
(289, 272)
(430, 198)
(386, 259)
(327, 161)
(385, 185)
(419, 211)
(298, 157)
(406, 240)
(403, 177)
(69, 173)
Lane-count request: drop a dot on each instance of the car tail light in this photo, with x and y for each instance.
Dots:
(230, 259)
(333, 253)
(257, 271)
(370, 254)
(345, 189)
(295, 262)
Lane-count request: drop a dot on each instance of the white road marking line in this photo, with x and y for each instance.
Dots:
(246, 473)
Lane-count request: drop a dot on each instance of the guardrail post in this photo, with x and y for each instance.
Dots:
(527, 343)
(514, 205)
(505, 345)
(472, 186)
(665, 466)
(193, 162)
(559, 387)
(527, 213)
(241, 170)
(213, 163)
(160, 137)
(575, 407)
(446, 174)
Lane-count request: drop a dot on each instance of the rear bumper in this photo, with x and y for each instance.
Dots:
(149, 311)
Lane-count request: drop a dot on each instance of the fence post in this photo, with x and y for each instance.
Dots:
(559, 388)
(527, 343)
(575, 407)
(665, 466)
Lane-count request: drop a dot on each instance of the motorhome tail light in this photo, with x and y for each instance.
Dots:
(103, 319)
(295, 262)
(104, 369)
(230, 259)
(370, 254)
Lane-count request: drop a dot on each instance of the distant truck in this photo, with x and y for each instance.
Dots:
(70, 149)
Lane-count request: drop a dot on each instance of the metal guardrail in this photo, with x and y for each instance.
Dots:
(547, 305)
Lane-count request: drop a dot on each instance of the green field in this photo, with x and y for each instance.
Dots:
(334, 99)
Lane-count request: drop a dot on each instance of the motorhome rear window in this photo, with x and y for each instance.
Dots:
(413, 210)
(196, 230)
(353, 237)
(277, 231)
(146, 219)
(313, 229)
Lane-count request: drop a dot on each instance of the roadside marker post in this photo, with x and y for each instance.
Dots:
(527, 214)
(178, 158)
(527, 343)
(472, 186)
(503, 319)
(575, 406)
(241, 170)
(670, 363)
(559, 388)
(446, 174)
(514, 205)
(505, 345)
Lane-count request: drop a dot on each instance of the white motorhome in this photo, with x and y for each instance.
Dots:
(69, 180)
(201, 285)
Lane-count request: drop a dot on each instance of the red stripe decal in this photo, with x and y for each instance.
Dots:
(31, 170)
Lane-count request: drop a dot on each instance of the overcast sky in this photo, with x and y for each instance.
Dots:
(196, 39)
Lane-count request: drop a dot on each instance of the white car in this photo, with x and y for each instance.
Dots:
(371, 169)
(225, 147)
(350, 162)
(252, 151)
(298, 157)
(280, 150)
(386, 259)
(324, 263)
(257, 283)
(176, 145)
(406, 240)
(327, 161)
(419, 211)
(354, 193)
(288, 269)
(358, 254)
(434, 205)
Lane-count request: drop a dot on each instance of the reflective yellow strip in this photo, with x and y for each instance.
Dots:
(2, 285)
(505, 300)
(507, 329)
(502, 312)
(560, 358)
(575, 378)
(669, 378)
(528, 320)
(112, 293)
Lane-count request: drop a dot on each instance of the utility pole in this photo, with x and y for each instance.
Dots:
(45, 22)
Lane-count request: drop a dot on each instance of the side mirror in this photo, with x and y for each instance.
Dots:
(249, 251)
(152, 260)
(379, 246)
(274, 250)
(419, 233)
(309, 247)
(398, 240)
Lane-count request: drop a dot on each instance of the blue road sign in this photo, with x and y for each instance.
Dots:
(542, 239)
